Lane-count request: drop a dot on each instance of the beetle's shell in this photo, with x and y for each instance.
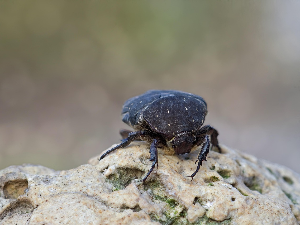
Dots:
(165, 112)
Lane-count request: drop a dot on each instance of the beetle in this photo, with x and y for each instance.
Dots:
(168, 118)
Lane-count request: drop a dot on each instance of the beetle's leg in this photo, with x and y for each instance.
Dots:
(209, 130)
(199, 141)
(125, 133)
(202, 155)
(214, 139)
(125, 142)
(153, 157)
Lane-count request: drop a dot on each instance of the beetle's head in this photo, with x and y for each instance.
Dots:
(183, 142)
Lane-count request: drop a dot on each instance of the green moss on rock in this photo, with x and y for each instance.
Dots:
(290, 197)
(242, 192)
(211, 179)
(288, 180)
(123, 177)
(224, 173)
(254, 184)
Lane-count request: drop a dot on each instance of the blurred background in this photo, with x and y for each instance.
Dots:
(67, 67)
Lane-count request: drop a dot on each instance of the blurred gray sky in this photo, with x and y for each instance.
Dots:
(66, 68)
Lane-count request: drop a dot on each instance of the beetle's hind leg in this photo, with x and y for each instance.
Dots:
(125, 142)
(214, 139)
(202, 155)
(153, 157)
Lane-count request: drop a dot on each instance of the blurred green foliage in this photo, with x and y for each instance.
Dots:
(66, 67)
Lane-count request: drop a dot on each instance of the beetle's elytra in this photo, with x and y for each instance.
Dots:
(170, 118)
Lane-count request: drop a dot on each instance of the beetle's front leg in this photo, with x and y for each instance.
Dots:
(209, 130)
(202, 155)
(125, 142)
(153, 157)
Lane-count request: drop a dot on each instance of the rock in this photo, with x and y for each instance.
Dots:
(230, 188)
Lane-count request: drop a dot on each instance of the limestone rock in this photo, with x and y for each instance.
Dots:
(230, 188)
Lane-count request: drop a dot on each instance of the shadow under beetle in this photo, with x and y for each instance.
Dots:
(168, 118)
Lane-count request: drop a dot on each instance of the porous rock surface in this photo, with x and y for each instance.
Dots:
(230, 188)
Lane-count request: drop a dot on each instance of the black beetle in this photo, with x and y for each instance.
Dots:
(168, 118)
